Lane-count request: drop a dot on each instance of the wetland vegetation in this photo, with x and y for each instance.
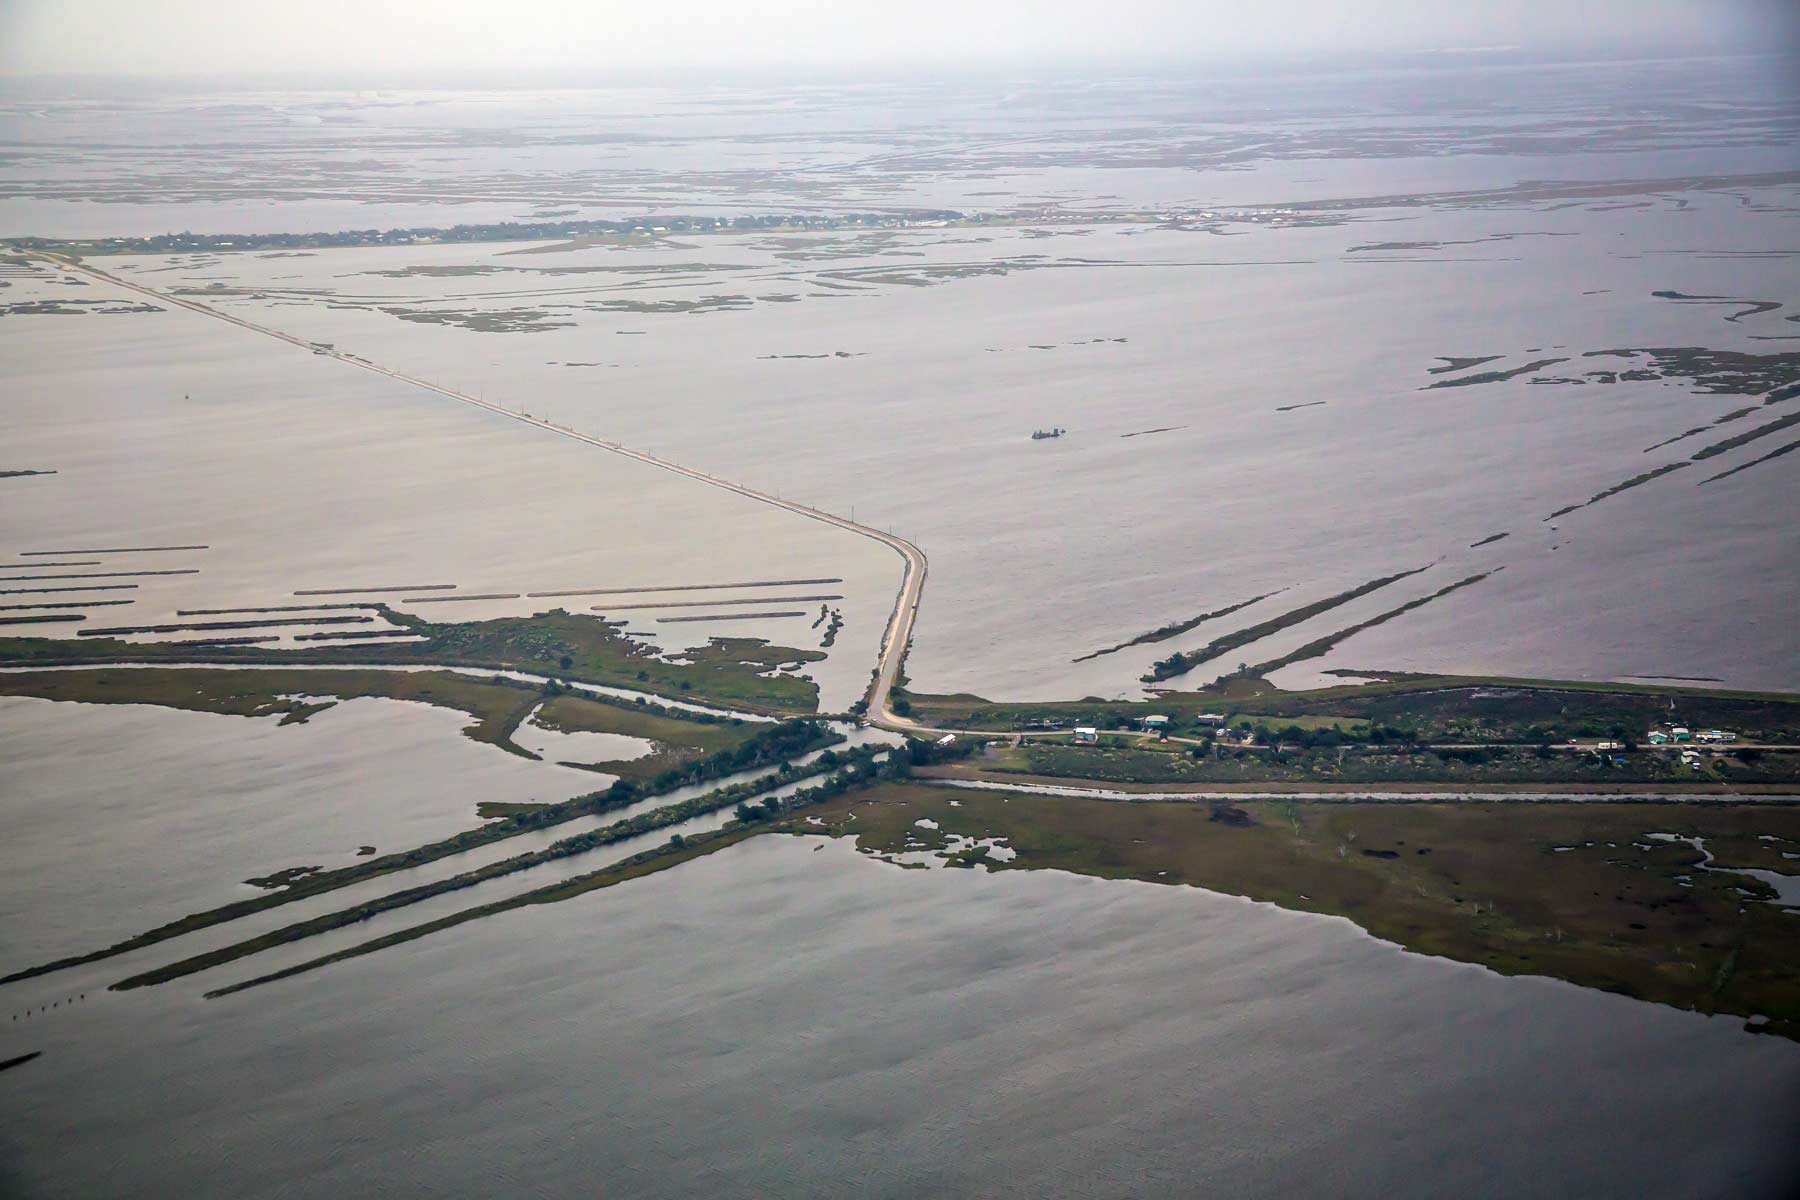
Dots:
(1322, 645)
(1761, 431)
(1294, 756)
(1176, 629)
(1499, 376)
(497, 231)
(1778, 452)
(1775, 377)
(63, 307)
(678, 737)
(1182, 663)
(738, 672)
(497, 705)
(1431, 708)
(1609, 895)
(1701, 455)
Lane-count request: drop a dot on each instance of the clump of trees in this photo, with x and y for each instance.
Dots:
(775, 744)
(1329, 737)
(858, 770)
(921, 752)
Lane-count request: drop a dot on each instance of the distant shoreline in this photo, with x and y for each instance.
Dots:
(497, 231)
(580, 232)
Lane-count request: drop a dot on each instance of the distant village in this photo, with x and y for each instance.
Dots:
(1681, 735)
(1218, 725)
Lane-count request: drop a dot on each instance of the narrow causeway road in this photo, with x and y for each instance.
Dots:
(896, 638)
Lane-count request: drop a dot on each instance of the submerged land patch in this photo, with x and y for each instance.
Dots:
(1176, 629)
(1182, 663)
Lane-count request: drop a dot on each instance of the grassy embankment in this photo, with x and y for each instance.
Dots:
(765, 747)
(497, 705)
(738, 672)
(678, 738)
(496, 708)
(1476, 882)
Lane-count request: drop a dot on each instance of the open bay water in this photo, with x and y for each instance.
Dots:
(1249, 412)
(786, 1017)
(1484, 209)
(789, 1018)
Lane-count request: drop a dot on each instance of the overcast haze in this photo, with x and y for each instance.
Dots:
(199, 37)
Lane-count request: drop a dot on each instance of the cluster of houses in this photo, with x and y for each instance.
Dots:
(1248, 214)
(1681, 733)
(1677, 735)
(1157, 723)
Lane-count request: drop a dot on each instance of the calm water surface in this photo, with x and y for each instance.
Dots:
(789, 1018)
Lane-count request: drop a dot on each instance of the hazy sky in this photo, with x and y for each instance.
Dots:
(188, 37)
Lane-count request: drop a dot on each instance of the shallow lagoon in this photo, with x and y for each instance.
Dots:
(724, 350)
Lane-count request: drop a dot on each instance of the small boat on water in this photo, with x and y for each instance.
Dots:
(1038, 435)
